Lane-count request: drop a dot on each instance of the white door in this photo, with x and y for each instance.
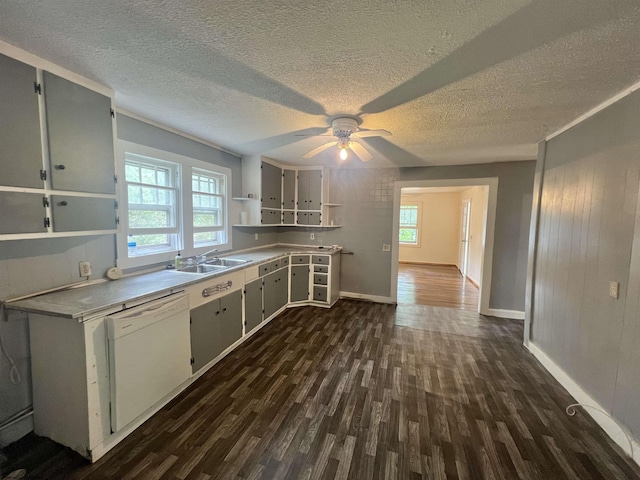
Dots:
(464, 236)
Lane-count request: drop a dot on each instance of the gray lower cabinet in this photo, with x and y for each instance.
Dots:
(276, 291)
(80, 131)
(215, 326)
(22, 213)
(299, 283)
(253, 304)
(74, 214)
(20, 140)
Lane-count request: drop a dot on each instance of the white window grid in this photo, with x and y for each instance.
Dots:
(409, 220)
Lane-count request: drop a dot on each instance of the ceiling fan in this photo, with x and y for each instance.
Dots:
(345, 129)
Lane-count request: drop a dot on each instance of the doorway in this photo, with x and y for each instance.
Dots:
(443, 258)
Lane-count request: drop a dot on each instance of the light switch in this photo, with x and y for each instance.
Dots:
(614, 288)
(386, 247)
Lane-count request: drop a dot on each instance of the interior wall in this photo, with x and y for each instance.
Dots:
(439, 232)
(589, 235)
(511, 239)
(479, 196)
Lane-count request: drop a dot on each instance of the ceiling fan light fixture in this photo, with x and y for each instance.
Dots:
(343, 154)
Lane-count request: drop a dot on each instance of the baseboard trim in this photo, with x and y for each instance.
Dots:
(411, 262)
(370, 298)
(501, 313)
(472, 281)
(607, 423)
(16, 430)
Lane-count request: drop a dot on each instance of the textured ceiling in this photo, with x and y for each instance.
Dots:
(455, 81)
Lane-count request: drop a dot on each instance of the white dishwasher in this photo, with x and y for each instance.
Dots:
(149, 355)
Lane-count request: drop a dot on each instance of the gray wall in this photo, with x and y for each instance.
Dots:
(588, 235)
(511, 240)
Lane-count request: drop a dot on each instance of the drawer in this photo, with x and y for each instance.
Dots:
(320, 294)
(276, 264)
(299, 259)
(284, 261)
(321, 268)
(265, 268)
(320, 279)
(320, 259)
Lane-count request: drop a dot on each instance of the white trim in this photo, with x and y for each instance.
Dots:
(84, 233)
(140, 118)
(611, 427)
(501, 313)
(371, 298)
(594, 110)
(16, 430)
(489, 231)
(40, 63)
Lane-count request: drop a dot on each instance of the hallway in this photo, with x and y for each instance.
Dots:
(435, 285)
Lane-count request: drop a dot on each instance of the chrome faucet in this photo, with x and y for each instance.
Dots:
(202, 258)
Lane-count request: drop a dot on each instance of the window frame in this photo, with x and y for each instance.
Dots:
(184, 206)
(417, 227)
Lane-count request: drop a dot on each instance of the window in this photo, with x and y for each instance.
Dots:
(169, 203)
(152, 195)
(208, 208)
(409, 220)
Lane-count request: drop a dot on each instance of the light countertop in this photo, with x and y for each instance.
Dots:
(84, 301)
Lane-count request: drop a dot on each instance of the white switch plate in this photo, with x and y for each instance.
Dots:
(85, 269)
(312, 236)
(386, 247)
(614, 289)
(256, 236)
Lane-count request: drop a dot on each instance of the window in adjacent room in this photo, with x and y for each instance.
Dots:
(409, 224)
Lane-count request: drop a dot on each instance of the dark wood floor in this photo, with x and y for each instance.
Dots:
(435, 285)
(360, 391)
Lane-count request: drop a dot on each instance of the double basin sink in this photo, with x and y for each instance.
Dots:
(214, 265)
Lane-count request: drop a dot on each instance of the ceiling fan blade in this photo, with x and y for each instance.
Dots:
(316, 133)
(360, 151)
(319, 149)
(372, 133)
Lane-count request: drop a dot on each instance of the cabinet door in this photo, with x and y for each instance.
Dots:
(283, 288)
(303, 190)
(230, 318)
(20, 140)
(315, 190)
(271, 217)
(271, 186)
(80, 130)
(299, 283)
(271, 296)
(21, 213)
(205, 334)
(314, 218)
(252, 304)
(303, 218)
(75, 214)
(289, 189)
(288, 218)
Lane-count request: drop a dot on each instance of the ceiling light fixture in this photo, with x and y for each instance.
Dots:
(343, 154)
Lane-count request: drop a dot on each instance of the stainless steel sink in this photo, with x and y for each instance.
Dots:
(225, 262)
(202, 268)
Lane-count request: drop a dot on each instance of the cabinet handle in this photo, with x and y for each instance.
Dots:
(62, 204)
(224, 309)
(218, 312)
(59, 167)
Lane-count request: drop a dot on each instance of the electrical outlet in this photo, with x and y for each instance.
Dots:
(312, 236)
(85, 269)
(614, 288)
(256, 236)
(386, 247)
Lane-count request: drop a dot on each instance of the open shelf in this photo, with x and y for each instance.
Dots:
(243, 199)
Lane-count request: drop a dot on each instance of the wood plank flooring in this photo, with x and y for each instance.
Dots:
(360, 391)
(435, 285)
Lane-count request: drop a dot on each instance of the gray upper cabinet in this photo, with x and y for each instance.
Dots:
(20, 139)
(76, 214)
(289, 190)
(80, 131)
(309, 189)
(271, 186)
(22, 213)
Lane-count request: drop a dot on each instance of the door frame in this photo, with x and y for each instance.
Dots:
(489, 231)
(465, 241)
